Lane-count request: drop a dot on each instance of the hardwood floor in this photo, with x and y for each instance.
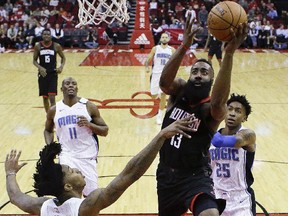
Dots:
(262, 76)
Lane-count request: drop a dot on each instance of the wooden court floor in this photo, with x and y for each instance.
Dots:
(116, 82)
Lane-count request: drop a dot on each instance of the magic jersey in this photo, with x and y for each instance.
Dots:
(161, 56)
(180, 152)
(78, 142)
(47, 57)
(69, 207)
(231, 168)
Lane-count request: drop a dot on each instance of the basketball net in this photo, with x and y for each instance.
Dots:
(97, 11)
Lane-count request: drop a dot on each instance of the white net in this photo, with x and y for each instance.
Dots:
(97, 11)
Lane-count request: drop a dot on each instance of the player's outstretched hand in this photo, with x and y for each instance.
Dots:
(181, 126)
(190, 31)
(11, 163)
(239, 36)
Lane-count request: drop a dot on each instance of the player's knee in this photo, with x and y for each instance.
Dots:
(205, 205)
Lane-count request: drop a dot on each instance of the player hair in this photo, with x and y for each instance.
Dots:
(48, 179)
(243, 100)
(206, 61)
(46, 29)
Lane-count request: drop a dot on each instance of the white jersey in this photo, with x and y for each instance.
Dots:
(69, 207)
(78, 142)
(232, 178)
(161, 56)
(231, 168)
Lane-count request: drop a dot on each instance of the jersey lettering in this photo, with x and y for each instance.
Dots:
(224, 153)
(47, 52)
(67, 120)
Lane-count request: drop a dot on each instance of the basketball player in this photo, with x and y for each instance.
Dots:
(66, 184)
(183, 173)
(160, 55)
(46, 51)
(77, 122)
(232, 157)
(215, 48)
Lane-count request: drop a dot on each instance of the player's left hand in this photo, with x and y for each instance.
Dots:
(82, 121)
(239, 35)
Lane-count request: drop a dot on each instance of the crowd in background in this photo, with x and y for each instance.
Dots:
(268, 24)
(22, 21)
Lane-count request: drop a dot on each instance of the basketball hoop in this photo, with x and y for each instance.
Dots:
(97, 11)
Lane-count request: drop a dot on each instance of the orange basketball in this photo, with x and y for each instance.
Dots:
(224, 16)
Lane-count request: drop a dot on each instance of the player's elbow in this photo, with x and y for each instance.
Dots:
(105, 131)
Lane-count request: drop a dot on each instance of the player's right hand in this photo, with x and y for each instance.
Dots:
(42, 72)
(181, 126)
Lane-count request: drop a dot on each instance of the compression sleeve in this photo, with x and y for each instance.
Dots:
(220, 140)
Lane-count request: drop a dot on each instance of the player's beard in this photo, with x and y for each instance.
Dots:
(194, 94)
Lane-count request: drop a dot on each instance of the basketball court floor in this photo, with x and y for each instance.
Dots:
(114, 78)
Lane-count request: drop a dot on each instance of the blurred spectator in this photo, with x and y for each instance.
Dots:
(272, 13)
(53, 3)
(179, 9)
(280, 34)
(175, 24)
(271, 37)
(202, 16)
(38, 33)
(30, 34)
(244, 4)
(12, 35)
(31, 21)
(91, 42)
(8, 6)
(193, 13)
(54, 11)
(21, 42)
(170, 13)
(27, 3)
(37, 12)
(153, 7)
(24, 16)
(4, 41)
(58, 34)
(262, 37)
(3, 14)
(252, 36)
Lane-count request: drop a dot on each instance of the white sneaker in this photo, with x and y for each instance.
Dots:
(159, 119)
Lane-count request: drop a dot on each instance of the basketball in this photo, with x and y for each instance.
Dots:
(224, 16)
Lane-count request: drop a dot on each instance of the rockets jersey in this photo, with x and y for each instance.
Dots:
(232, 168)
(183, 153)
(69, 207)
(47, 57)
(161, 56)
(79, 142)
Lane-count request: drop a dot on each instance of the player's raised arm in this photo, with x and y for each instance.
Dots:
(168, 83)
(221, 88)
